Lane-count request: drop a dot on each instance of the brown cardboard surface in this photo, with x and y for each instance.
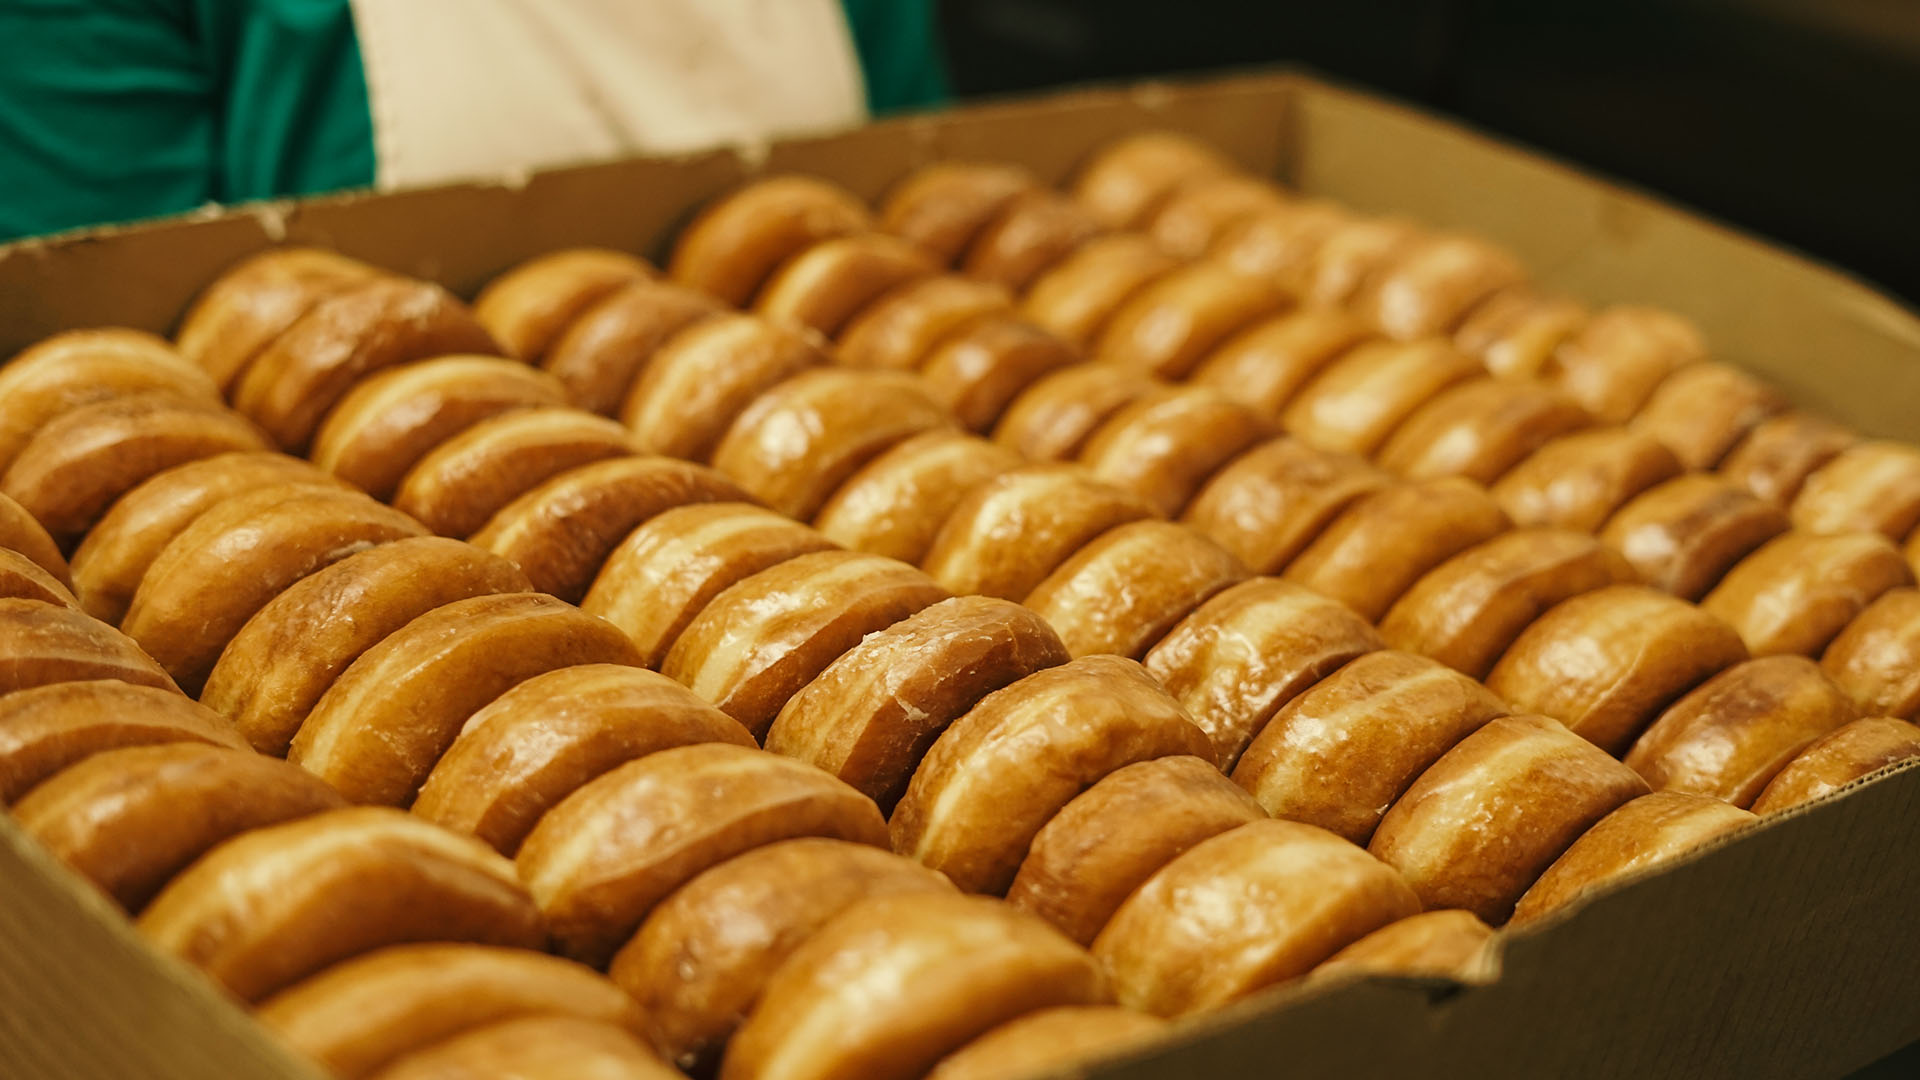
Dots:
(1790, 950)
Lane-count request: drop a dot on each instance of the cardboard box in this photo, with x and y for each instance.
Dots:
(1789, 950)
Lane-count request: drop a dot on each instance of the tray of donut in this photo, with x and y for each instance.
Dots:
(1138, 583)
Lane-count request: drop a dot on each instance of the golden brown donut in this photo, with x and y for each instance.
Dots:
(1577, 481)
(1269, 503)
(1054, 510)
(1703, 411)
(1685, 534)
(896, 503)
(273, 906)
(120, 342)
(1479, 429)
(1838, 759)
(47, 728)
(381, 323)
(1869, 487)
(1003, 770)
(1049, 1040)
(1033, 232)
(1170, 325)
(733, 246)
(131, 818)
(869, 717)
(540, 741)
(1268, 362)
(942, 207)
(1876, 658)
(1352, 253)
(978, 371)
(1731, 734)
(1077, 295)
(827, 284)
(462, 483)
(1486, 820)
(23, 579)
(666, 571)
(1777, 456)
(603, 352)
(1650, 830)
(1515, 331)
(1614, 362)
(1448, 943)
(1466, 611)
(1118, 833)
(1386, 541)
(359, 1016)
(527, 308)
(1339, 754)
(1248, 651)
(393, 418)
(385, 722)
(1251, 907)
(702, 957)
(212, 577)
(19, 531)
(1166, 444)
(1055, 416)
(1126, 180)
(1359, 400)
(77, 465)
(82, 367)
(1202, 208)
(901, 328)
(1280, 243)
(766, 636)
(1126, 589)
(43, 643)
(240, 314)
(703, 378)
(1429, 288)
(535, 1048)
(608, 853)
(1797, 592)
(562, 532)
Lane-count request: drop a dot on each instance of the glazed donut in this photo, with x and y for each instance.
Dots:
(704, 377)
(1269, 503)
(1077, 295)
(358, 1016)
(828, 283)
(1266, 364)
(1730, 735)
(1118, 833)
(129, 819)
(1684, 535)
(1516, 330)
(71, 347)
(280, 663)
(527, 308)
(942, 207)
(1202, 208)
(978, 371)
(562, 532)
(1870, 487)
(540, 741)
(1168, 326)
(383, 724)
(1363, 397)
(1126, 589)
(1430, 288)
(1251, 649)
(393, 418)
(1448, 943)
(1055, 416)
(1838, 759)
(1251, 907)
(1351, 253)
(1386, 541)
(762, 639)
(667, 570)
(1799, 591)
(275, 905)
(21, 532)
(604, 352)
(1777, 456)
(1004, 769)
(1486, 820)
(1876, 658)
(1703, 411)
(1168, 443)
(1609, 660)
(42, 644)
(896, 503)
(1049, 1040)
(211, 578)
(1466, 611)
(901, 328)
(1339, 754)
(1479, 429)
(734, 244)
(1577, 481)
(23, 579)
(47, 728)
(1616, 360)
(535, 1048)
(253, 303)
(381, 323)
(84, 367)
(869, 717)
(78, 464)
(462, 483)
(1033, 232)
(1280, 244)
(611, 851)
(1130, 177)
(1646, 832)
(701, 959)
